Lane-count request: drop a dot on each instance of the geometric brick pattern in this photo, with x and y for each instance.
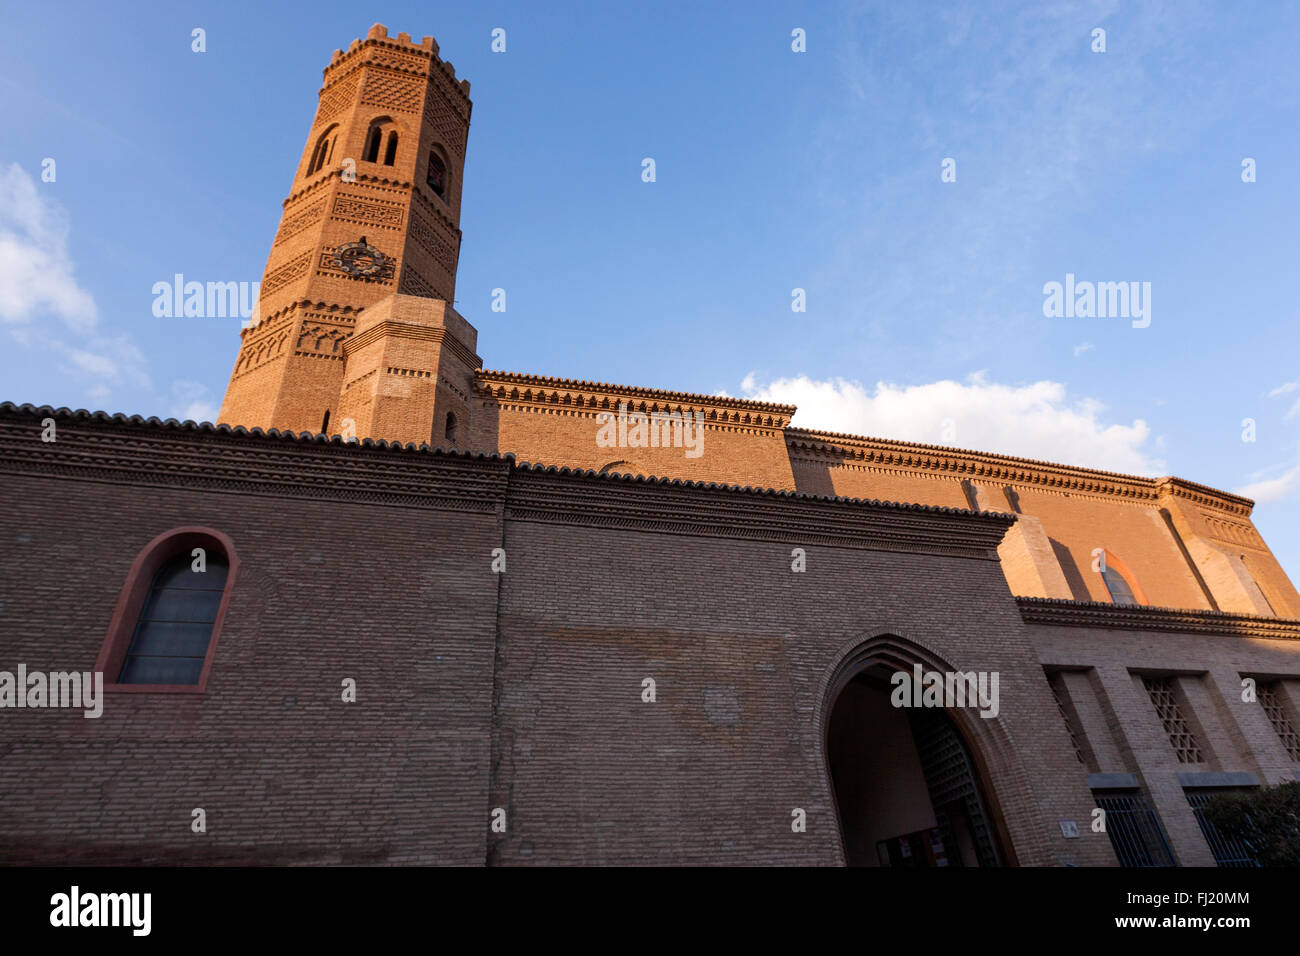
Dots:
(299, 221)
(396, 61)
(1277, 716)
(365, 211)
(336, 100)
(444, 121)
(1181, 738)
(391, 92)
(413, 284)
(1057, 691)
(442, 252)
(294, 269)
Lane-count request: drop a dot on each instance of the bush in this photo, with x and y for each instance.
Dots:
(1267, 820)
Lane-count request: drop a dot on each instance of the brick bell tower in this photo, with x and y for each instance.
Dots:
(355, 333)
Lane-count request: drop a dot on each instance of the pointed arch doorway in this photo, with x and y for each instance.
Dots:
(908, 791)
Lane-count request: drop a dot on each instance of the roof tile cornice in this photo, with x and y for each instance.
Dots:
(1098, 614)
(123, 449)
(888, 453)
(493, 383)
(1206, 496)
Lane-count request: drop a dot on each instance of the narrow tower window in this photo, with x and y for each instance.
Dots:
(371, 154)
(323, 151)
(451, 428)
(390, 154)
(437, 176)
(325, 423)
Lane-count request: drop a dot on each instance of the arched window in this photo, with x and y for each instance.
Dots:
(1121, 584)
(1120, 592)
(450, 430)
(323, 152)
(381, 137)
(372, 145)
(172, 634)
(168, 617)
(437, 174)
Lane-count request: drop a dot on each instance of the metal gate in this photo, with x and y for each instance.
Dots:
(954, 789)
(1134, 829)
(1226, 852)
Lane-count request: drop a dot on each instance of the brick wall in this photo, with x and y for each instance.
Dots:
(523, 691)
(330, 586)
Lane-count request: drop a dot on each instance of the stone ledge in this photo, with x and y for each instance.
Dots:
(1238, 778)
(1059, 612)
(1113, 781)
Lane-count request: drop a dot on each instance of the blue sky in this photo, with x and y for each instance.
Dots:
(775, 170)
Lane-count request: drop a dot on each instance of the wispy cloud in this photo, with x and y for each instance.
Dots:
(1037, 420)
(37, 277)
(38, 282)
(1267, 490)
(1280, 481)
(191, 400)
(1287, 389)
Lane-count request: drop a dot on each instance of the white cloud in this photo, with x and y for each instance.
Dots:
(1269, 489)
(1037, 420)
(190, 400)
(36, 273)
(1081, 348)
(38, 282)
(111, 360)
(1273, 489)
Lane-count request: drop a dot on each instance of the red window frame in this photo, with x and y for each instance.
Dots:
(130, 603)
(1124, 571)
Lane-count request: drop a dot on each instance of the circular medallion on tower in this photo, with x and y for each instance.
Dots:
(362, 259)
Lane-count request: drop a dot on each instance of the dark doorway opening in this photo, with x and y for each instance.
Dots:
(907, 790)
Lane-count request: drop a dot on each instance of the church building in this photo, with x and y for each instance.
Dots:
(398, 608)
